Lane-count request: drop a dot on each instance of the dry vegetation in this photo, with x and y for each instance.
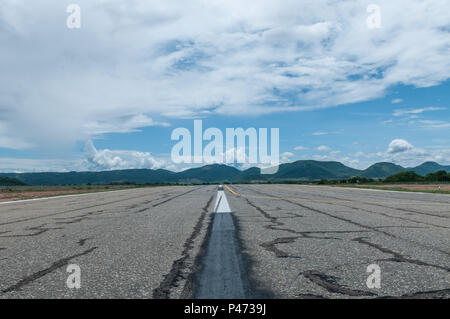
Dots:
(11, 193)
(429, 188)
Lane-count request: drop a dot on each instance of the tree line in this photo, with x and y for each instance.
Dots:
(402, 177)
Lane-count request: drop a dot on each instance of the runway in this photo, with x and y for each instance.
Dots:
(317, 241)
(270, 241)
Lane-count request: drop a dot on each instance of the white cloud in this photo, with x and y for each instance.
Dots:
(323, 148)
(125, 124)
(300, 148)
(21, 165)
(399, 151)
(396, 101)
(287, 154)
(8, 141)
(119, 159)
(404, 153)
(434, 124)
(318, 133)
(163, 59)
(14, 143)
(398, 146)
(417, 111)
(286, 157)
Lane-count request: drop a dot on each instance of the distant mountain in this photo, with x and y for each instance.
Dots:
(105, 177)
(209, 173)
(312, 170)
(8, 181)
(297, 171)
(429, 167)
(381, 170)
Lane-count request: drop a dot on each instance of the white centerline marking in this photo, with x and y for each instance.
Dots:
(221, 205)
(221, 276)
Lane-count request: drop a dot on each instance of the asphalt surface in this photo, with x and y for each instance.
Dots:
(128, 244)
(274, 241)
(222, 275)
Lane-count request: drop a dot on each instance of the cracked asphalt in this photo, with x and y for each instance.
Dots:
(317, 241)
(136, 243)
(295, 242)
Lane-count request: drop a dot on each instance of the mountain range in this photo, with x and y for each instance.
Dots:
(304, 170)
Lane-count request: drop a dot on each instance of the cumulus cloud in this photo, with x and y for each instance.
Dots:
(399, 146)
(300, 148)
(133, 61)
(119, 159)
(396, 101)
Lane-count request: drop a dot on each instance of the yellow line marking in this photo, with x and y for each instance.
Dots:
(328, 201)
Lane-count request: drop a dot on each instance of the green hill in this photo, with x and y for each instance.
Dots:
(105, 177)
(8, 181)
(312, 170)
(429, 167)
(307, 170)
(209, 173)
(381, 170)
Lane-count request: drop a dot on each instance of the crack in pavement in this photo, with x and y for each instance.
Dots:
(390, 207)
(330, 283)
(270, 246)
(310, 296)
(76, 219)
(390, 216)
(38, 231)
(56, 265)
(67, 221)
(69, 211)
(171, 198)
(176, 272)
(148, 202)
(405, 227)
(397, 256)
(411, 211)
(432, 294)
(356, 223)
(370, 211)
(331, 215)
(82, 241)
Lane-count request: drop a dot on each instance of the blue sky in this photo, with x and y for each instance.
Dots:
(134, 71)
